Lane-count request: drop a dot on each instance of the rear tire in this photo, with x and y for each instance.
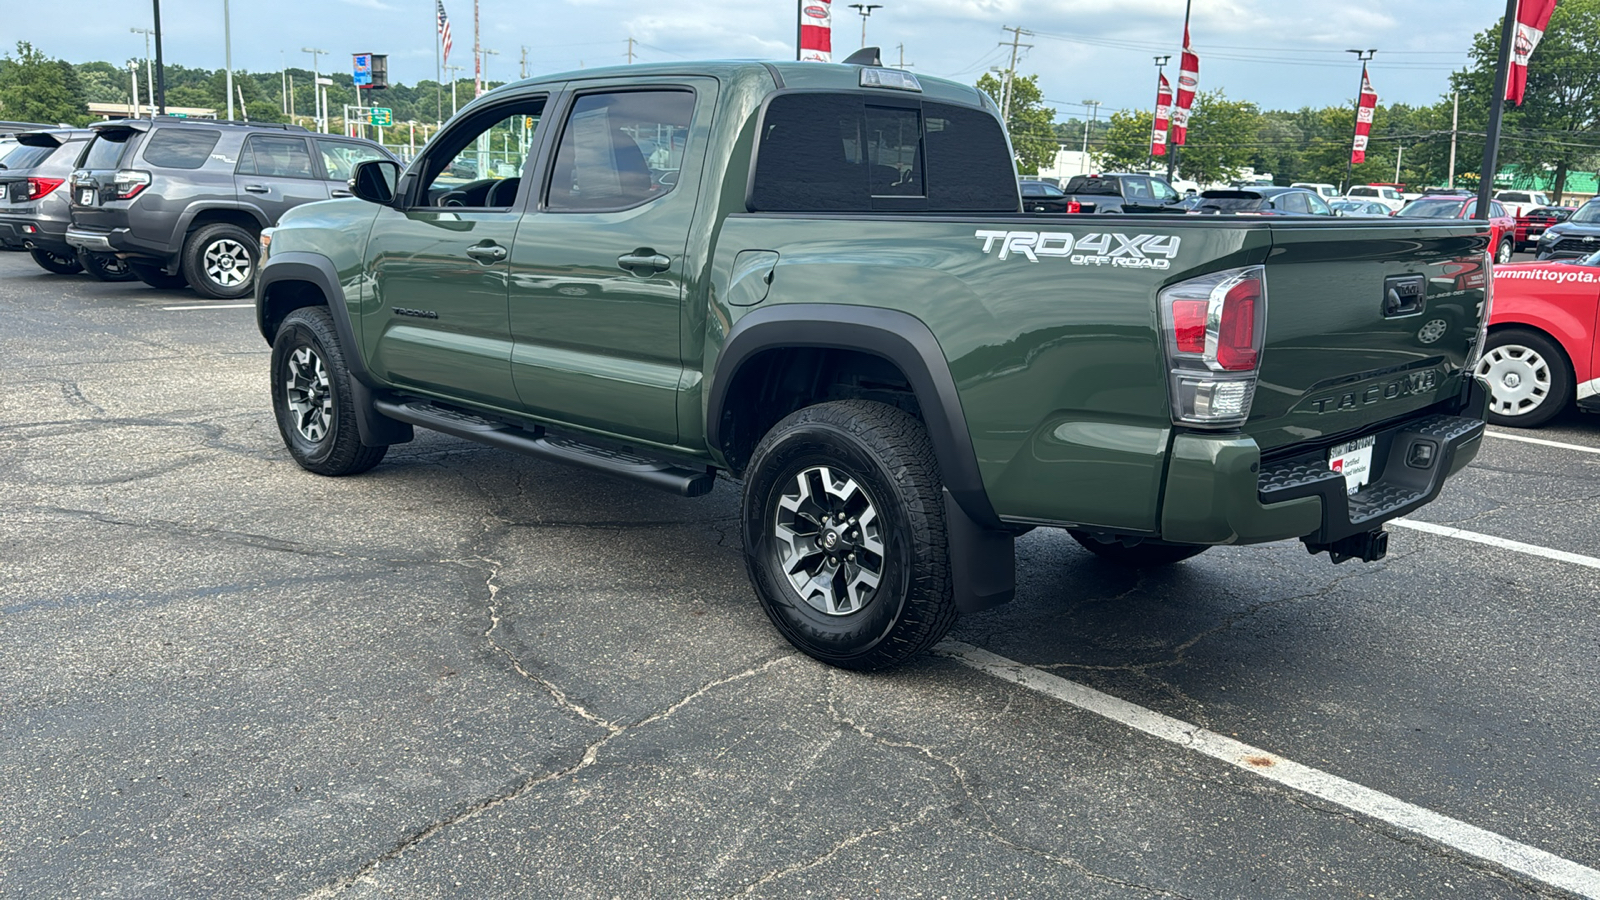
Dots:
(1145, 554)
(153, 275)
(844, 534)
(105, 267)
(220, 261)
(1530, 380)
(58, 263)
(1502, 254)
(311, 397)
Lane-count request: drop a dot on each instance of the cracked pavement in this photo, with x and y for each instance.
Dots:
(470, 674)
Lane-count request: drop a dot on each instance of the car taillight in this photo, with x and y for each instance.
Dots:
(38, 187)
(1213, 328)
(127, 183)
(1074, 206)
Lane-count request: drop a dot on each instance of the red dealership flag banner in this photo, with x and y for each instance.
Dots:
(1188, 82)
(1158, 136)
(1532, 17)
(816, 30)
(1365, 107)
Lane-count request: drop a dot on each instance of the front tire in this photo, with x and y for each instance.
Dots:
(1502, 254)
(105, 266)
(844, 534)
(219, 260)
(57, 263)
(311, 397)
(1145, 554)
(1530, 380)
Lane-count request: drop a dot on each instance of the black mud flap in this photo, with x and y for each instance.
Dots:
(983, 561)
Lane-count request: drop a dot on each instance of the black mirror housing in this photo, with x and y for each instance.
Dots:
(375, 181)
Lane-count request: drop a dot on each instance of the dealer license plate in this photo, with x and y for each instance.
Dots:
(86, 197)
(1354, 462)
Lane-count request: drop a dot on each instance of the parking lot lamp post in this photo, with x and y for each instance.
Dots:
(1350, 164)
(1161, 73)
(1094, 108)
(485, 67)
(866, 12)
(150, 78)
(160, 86)
(453, 79)
(227, 55)
(316, 75)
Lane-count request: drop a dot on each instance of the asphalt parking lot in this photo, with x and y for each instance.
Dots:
(473, 674)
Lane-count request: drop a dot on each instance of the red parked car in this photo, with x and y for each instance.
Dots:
(1541, 353)
(1532, 225)
(1502, 227)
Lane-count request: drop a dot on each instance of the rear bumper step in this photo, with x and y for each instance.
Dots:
(667, 476)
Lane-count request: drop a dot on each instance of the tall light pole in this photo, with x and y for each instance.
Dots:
(453, 79)
(161, 73)
(1364, 56)
(316, 89)
(485, 67)
(866, 11)
(227, 55)
(1094, 108)
(149, 72)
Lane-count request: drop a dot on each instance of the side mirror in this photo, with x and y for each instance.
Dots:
(374, 181)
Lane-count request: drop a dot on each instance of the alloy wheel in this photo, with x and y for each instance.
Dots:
(309, 393)
(227, 262)
(829, 541)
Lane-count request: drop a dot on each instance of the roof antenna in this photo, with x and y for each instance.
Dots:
(866, 56)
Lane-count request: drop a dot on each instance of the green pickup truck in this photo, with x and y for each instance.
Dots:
(817, 279)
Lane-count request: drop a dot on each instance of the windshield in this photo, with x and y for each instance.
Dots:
(1588, 214)
(1432, 209)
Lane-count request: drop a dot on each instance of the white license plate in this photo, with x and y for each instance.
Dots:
(86, 197)
(1354, 462)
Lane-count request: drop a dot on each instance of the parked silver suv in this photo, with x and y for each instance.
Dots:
(33, 204)
(184, 200)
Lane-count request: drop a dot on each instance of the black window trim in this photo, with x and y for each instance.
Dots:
(310, 156)
(569, 99)
(414, 173)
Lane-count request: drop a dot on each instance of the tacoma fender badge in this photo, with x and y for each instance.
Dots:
(415, 313)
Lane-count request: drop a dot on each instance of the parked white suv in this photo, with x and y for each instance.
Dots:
(1388, 196)
(1518, 203)
(1325, 191)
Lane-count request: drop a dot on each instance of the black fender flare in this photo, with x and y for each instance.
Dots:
(297, 265)
(982, 549)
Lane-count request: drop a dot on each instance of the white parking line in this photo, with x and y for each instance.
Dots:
(1502, 543)
(210, 306)
(1541, 441)
(1532, 862)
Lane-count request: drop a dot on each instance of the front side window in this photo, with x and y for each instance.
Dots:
(339, 158)
(181, 148)
(619, 150)
(478, 163)
(1318, 205)
(1162, 191)
(274, 157)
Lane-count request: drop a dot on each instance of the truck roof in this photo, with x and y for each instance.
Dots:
(790, 73)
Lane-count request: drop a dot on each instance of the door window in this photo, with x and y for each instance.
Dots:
(339, 158)
(479, 163)
(1293, 201)
(1135, 189)
(1318, 206)
(619, 150)
(1162, 191)
(274, 157)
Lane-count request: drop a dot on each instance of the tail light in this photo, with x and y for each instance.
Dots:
(1213, 327)
(1074, 206)
(38, 187)
(127, 183)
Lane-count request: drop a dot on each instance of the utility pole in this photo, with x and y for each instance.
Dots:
(227, 57)
(1364, 56)
(902, 64)
(1455, 122)
(133, 72)
(1094, 108)
(630, 49)
(1497, 104)
(284, 65)
(1011, 70)
(161, 75)
(1399, 154)
(524, 69)
(866, 11)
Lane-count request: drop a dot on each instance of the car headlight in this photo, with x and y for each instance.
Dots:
(1549, 237)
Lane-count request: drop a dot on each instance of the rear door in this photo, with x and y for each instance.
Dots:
(1341, 355)
(338, 160)
(275, 174)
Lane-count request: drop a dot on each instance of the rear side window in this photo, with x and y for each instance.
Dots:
(181, 148)
(823, 152)
(275, 157)
(106, 150)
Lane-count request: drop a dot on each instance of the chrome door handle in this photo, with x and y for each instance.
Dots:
(644, 262)
(487, 253)
(341, 193)
(257, 188)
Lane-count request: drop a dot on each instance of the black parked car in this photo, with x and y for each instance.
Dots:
(1578, 236)
(1042, 197)
(1122, 192)
(1263, 201)
(184, 200)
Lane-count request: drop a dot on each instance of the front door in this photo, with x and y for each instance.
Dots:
(437, 262)
(597, 273)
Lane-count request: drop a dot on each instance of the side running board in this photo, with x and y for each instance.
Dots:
(666, 476)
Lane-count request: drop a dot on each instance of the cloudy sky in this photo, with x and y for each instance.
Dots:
(1278, 53)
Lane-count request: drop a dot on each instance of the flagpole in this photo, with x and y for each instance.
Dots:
(438, 66)
(1491, 142)
(1172, 148)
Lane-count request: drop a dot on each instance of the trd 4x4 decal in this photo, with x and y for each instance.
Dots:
(1139, 251)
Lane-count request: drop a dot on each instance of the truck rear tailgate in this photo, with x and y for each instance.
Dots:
(1364, 325)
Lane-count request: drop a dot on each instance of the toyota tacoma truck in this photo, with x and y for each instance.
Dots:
(817, 279)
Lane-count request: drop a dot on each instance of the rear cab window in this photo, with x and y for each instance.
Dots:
(181, 148)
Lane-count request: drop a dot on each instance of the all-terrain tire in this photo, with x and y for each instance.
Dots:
(311, 397)
(844, 534)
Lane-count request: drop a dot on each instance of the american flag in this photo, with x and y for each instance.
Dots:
(444, 29)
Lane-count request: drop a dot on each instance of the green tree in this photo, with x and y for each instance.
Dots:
(1125, 143)
(1030, 124)
(1221, 132)
(34, 88)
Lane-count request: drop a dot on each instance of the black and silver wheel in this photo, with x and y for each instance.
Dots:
(1432, 329)
(105, 266)
(219, 260)
(311, 397)
(152, 274)
(1502, 253)
(59, 263)
(844, 534)
(1530, 380)
(1146, 553)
